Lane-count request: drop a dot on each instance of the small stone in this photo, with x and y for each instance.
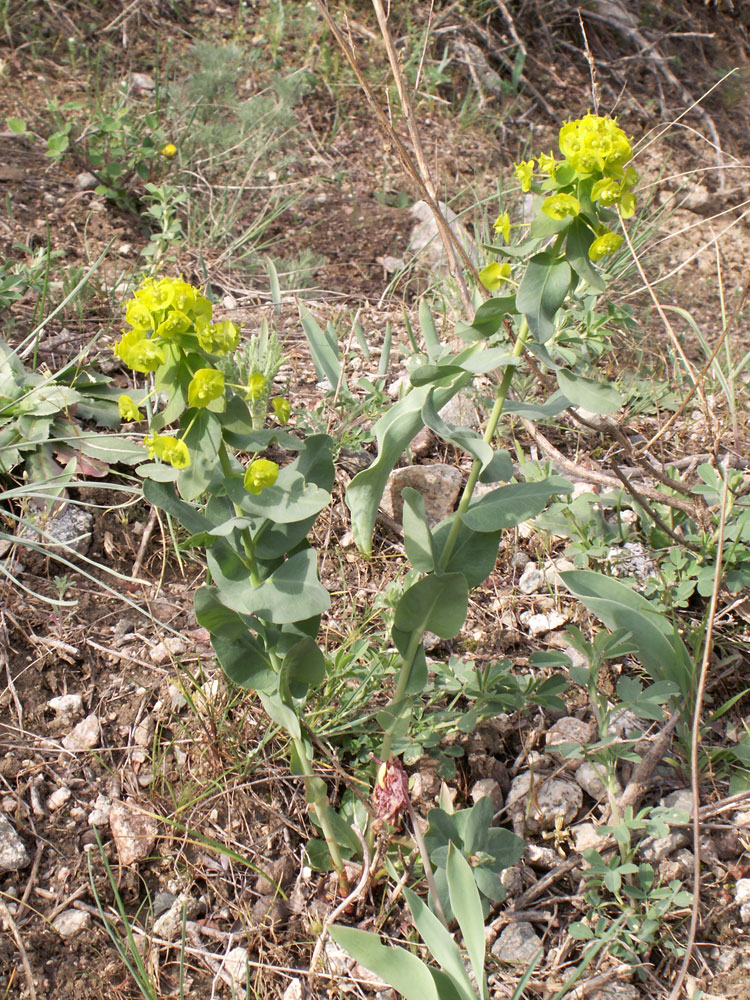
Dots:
(58, 798)
(169, 924)
(460, 411)
(125, 249)
(518, 944)
(99, 815)
(656, 850)
(134, 832)
(425, 240)
(229, 301)
(293, 990)
(68, 532)
(164, 651)
(542, 857)
(536, 624)
(85, 736)
(568, 730)
(532, 579)
(742, 891)
(278, 873)
(235, 963)
(680, 800)
(554, 567)
(85, 181)
(71, 922)
(67, 707)
(698, 199)
(588, 776)
(512, 879)
(631, 559)
(558, 799)
(13, 854)
(141, 81)
(586, 838)
(488, 788)
(144, 731)
(519, 560)
(677, 867)
(163, 901)
(421, 445)
(439, 484)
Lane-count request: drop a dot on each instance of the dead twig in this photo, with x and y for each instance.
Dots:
(640, 779)
(8, 918)
(695, 742)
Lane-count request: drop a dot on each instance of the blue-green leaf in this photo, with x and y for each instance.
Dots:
(460, 437)
(509, 505)
(325, 358)
(542, 291)
(598, 397)
(399, 968)
(467, 909)
(580, 237)
(437, 602)
(417, 534)
(440, 944)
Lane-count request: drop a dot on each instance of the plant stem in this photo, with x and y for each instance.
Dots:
(320, 805)
(450, 542)
(489, 434)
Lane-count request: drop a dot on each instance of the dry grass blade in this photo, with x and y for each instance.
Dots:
(695, 743)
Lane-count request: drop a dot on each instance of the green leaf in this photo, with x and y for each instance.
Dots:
(325, 358)
(304, 667)
(163, 496)
(417, 534)
(438, 603)
(542, 291)
(393, 432)
(203, 440)
(16, 125)
(291, 594)
(242, 657)
(488, 318)
(112, 448)
(429, 330)
(474, 553)
(460, 437)
(440, 943)
(279, 712)
(403, 971)
(419, 673)
(598, 397)
(580, 238)
(467, 909)
(557, 403)
(499, 469)
(237, 425)
(659, 648)
(509, 505)
(289, 499)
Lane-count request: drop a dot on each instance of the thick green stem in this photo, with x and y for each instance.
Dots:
(319, 803)
(450, 542)
(489, 434)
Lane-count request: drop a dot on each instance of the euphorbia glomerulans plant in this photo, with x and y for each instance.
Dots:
(263, 602)
(547, 278)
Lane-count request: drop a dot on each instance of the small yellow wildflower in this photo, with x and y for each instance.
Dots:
(594, 144)
(494, 275)
(282, 408)
(260, 474)
(256, 386)
(524, 171)
(547, 163)
(129, 412)
(206, 385)
(605, 244)
(169, 150)
(559, 206)
(502, 226)
(168, 449)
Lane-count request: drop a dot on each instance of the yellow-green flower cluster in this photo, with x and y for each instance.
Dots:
(170, 312)
(260, 474)
(595, 145)
(168, 449)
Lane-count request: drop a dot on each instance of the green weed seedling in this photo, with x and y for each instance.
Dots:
(407, 973)
(488, 851)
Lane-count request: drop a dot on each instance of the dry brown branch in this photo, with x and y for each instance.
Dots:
(695, 743)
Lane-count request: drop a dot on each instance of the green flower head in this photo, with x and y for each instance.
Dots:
(282, 408)
(129, 412)
(205, 386)
(547, 163)
(594, 144)
(605, 244)
(494, 275)
(558, 206)
(145, 356)
(260, 474)
(502, 225)
(168, 449)
(524, 171)
(256, 386)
